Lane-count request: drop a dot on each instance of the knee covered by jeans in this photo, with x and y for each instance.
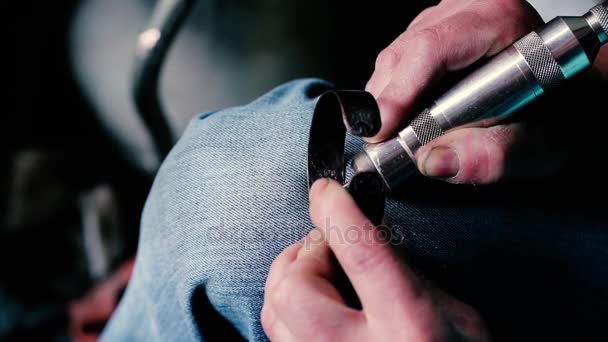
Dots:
(233, 192)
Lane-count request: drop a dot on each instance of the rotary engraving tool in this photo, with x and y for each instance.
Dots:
(536, 64)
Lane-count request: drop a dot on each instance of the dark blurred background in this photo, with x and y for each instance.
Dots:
(77, 160)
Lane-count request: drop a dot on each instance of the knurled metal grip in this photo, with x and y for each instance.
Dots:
(426, 127)
(601, 13)
(543, 65)
(545, 68)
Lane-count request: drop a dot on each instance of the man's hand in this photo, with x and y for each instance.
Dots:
(450, 37)
(302, 301)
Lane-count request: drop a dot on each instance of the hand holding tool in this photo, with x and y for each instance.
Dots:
(536, 64)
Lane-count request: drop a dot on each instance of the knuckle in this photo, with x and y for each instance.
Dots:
(286, 295)
(428, 40)
(431, 43)
(508, 7)
(364, 256)
(501, 136)
(275, 265)
(325, 330)
(475, 157)
(422, 16)
(493, 155)
(268, 320)
(387, 59)
(500, 141)
(497, 140)
(444, 41)
(518, 18)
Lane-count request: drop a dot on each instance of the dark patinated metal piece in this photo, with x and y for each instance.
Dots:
(367, 190)
(336, 113)
(326, 142)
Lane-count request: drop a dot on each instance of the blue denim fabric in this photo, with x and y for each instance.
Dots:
(233, 194)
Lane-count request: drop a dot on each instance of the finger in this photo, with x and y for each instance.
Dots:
(434, 14)
(473, 155)
(315, 246)
(83, 337)
(87, 314)
(316, 260)
(464, 320)
(386, 62)
(425, 16)
(300, 295)
(490, 155)
(279, 266)
(418, 59)
(274, 328)
(391, 56)
(378, 277)
(311, 308)
(280, 333)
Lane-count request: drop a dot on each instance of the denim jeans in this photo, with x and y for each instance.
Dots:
(233, 194)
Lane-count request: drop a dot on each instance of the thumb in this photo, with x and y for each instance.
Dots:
(472, 155)
(377, 275)
(490, 155)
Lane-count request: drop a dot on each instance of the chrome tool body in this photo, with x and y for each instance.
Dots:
(534, 65)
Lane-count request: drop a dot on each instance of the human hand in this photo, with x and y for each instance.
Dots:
(452, 36)
(302, 301)
(89, 314)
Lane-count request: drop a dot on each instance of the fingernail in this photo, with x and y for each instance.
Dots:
(441, 162)
(318, 187)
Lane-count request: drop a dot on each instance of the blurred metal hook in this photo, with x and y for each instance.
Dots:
(152, 47)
